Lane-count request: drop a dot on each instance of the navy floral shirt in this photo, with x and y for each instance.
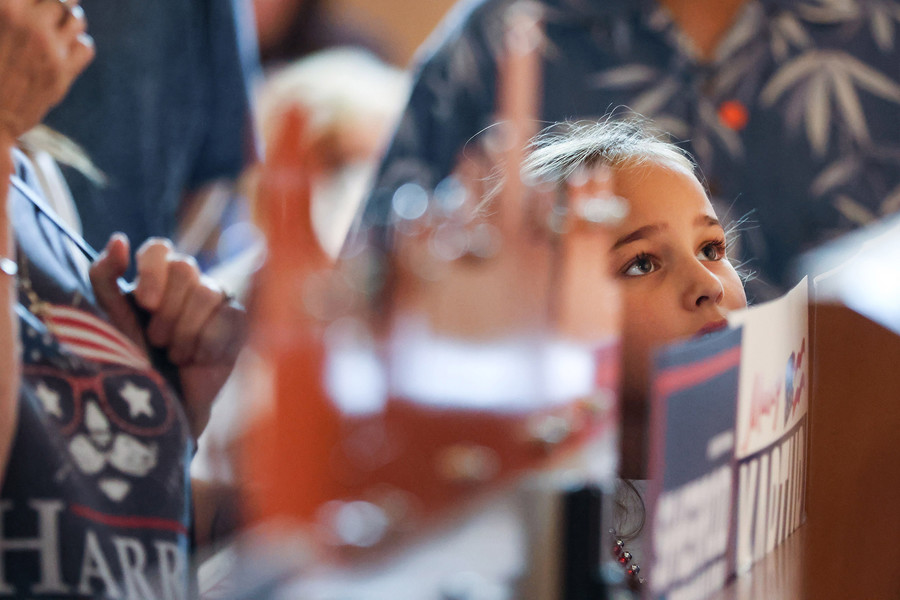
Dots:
(795, 121)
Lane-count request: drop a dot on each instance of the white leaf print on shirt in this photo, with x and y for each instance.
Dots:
(880, 14)
(826, 80)
(656, 90)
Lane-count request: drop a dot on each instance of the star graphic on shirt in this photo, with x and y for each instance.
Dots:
(138, 400)
(49, 399)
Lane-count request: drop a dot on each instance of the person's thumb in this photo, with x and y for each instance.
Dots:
(104, 273)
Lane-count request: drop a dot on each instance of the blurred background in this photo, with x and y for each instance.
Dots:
(398, 25)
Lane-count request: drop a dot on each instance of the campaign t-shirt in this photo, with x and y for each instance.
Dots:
(96, 495)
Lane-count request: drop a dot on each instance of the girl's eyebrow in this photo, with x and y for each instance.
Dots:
(648, 230)
(639, 234)
(708, 221)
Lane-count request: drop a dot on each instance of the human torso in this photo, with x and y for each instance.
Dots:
(95, 499)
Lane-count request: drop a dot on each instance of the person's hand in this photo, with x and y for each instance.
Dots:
(505, 263)
(43, 48)
(483, 271)
(191, 317)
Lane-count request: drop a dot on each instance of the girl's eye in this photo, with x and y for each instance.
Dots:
(712, 251)
(642, 264)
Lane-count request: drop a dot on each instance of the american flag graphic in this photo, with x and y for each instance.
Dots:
(92, 338)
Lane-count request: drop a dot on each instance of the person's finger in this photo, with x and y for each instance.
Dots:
(42, 39)
(199, 307)
(49, 20)
(583, 280)
(104, 274)
(48, 13)
(517, 97)
(181, 277)
(223, 335)
(75, 26)
(75, 48)
(78, 44)
(67, 12)
(592, 200)
(152, 261)
(109, 266)
(475, 174)
(57, 48)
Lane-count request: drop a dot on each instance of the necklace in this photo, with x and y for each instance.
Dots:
(626, 560)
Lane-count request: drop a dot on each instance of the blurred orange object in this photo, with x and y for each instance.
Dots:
(472, 375)
(289, 447)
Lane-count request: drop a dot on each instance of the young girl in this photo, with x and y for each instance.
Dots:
(668, 252)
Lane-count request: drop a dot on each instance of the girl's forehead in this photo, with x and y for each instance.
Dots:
(661, 193)
(638, 172)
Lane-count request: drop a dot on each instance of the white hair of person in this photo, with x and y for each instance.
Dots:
(565, 148)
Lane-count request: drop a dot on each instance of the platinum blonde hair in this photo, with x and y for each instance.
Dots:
(565, 148)
(41, 138)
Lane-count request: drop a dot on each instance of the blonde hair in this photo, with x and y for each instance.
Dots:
(41, 138)
(562, 149)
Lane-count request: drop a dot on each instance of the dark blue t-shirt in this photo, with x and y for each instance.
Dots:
(95, 498)
(163, 108)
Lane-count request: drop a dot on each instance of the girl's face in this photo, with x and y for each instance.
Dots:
(669, 256)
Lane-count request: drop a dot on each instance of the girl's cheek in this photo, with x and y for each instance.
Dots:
(736, 289)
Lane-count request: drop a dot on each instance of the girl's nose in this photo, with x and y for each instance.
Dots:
(702, 286)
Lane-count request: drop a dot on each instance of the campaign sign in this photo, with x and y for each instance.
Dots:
(771, 423)
(691, 471)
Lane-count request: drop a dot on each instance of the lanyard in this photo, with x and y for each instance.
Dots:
(51, 215)
(158, 356)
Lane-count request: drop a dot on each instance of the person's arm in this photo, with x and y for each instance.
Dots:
(9, 329)
(43, 47)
